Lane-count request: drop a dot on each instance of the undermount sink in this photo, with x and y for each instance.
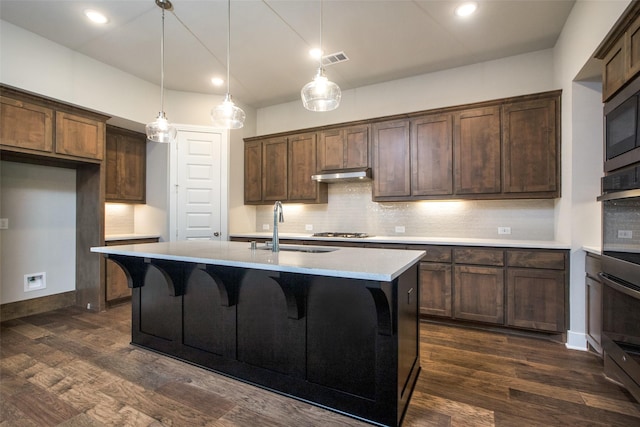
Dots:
(299, 248)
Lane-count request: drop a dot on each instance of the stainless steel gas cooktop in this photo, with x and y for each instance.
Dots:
(341, 234)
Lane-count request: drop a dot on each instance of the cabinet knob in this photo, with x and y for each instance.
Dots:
(216, 234)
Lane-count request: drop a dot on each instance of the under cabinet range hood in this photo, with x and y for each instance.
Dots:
(354, 175)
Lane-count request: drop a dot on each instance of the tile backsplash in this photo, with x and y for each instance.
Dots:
(350, 209)
(119, 218)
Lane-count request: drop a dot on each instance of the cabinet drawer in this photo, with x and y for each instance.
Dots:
(593, 265)
(536, 259)
(477, 256)
(433, 253)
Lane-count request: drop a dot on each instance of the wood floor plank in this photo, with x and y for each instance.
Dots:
(45, 408)
(84, 372)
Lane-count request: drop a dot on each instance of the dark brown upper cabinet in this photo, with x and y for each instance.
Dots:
(501, 149)
(280, 168)
(620, 52)
(432, 155)
(530, 140)
(126, 166)
(391, 159)
(477, 151)
(343, 148)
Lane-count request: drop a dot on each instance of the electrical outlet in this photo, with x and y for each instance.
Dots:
(265, 226)
(35, 281)
(625, 234)
(504, 230)
(308, 227)
(4, 223)
(399, 228)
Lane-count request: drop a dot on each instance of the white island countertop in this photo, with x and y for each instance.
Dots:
(353, 263)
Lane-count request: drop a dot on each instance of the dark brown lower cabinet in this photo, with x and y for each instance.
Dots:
(117, 284)
(435, 289)
(535, 299)
(479, 294)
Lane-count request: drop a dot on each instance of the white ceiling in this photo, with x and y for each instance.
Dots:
(270, 39)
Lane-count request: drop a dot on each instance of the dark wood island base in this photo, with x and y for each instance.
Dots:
(348, 345)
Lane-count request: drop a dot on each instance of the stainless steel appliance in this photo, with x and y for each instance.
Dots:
(622, 128)
(621, 277)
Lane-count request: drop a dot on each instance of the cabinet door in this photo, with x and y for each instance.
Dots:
(356, 150)
(594, 313)
(613, 69)
(274, 169)
(302, 164)
(126, 160)
(111, 162)
(331, 150)
(435, 289)
(253, 172)
(391, 159)
(117, 284)
(79, 136)
(536, 299)
(25, 125)
(530, 146)
(479, 294)
(633, 49)
(477, 151)
(132, 167)
(432, 155)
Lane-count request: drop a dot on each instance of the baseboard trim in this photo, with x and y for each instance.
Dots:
(15, 310)
(576, 341)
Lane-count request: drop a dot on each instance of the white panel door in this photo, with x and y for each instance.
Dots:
(200, 196)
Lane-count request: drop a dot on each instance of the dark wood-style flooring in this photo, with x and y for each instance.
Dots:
(74, 368)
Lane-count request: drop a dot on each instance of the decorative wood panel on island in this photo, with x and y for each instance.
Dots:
(337, 327)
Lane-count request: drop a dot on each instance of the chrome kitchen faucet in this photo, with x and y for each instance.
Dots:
(278, 216)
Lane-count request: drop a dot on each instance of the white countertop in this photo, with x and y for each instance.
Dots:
(354, 263)
(451, 241)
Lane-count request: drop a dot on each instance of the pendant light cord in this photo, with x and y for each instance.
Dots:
(321, 48)
(162, 67)
(228, 44)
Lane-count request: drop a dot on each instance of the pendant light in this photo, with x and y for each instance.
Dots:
(161, 130)
(227, 115)
(320, 94)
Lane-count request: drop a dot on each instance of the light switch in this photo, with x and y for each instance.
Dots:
(4, 223)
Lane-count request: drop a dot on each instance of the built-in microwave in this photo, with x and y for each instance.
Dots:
(622, 128)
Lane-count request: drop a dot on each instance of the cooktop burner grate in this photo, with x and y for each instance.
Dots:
(341, 234)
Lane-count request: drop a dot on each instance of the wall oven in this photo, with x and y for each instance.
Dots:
(621, 276)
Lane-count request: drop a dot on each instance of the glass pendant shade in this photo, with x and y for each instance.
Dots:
(227, 115)
(321, 94)
(161, 130)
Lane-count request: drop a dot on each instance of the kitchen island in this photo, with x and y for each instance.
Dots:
(337, 327)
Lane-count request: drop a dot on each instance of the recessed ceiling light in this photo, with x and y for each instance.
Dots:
(466, 9)
(315, 53)
(95, 16)
(217, 81)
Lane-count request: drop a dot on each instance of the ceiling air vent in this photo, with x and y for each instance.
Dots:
(334, 58)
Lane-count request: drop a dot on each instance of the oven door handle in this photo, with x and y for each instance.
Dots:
(618, 286)
(618, 195)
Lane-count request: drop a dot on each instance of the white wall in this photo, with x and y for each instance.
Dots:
(40, 203)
